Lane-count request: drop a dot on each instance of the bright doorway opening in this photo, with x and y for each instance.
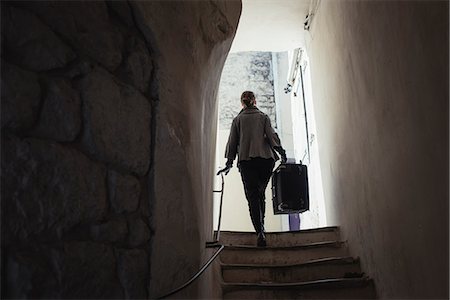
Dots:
(276, 69)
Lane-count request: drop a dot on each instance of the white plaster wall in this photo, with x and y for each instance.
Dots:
(283, 101)
(191, 39)
(271, 25)
(316, 215)
(380, 84)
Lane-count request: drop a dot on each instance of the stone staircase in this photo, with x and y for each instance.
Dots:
(306, 264)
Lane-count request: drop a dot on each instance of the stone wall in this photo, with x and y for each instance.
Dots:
(81, 87)
(76, 140)
(246, 71)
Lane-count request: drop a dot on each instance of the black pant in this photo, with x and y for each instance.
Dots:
(255, 175)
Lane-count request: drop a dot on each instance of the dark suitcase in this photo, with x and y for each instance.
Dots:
(290, 192)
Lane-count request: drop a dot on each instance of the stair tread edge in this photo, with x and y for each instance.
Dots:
(337, 260)
(320, 229)
(329, 282)
(308, 245)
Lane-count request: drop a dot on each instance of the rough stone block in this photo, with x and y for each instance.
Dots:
(111, 231)
(133, 268)
(137, 67)
(79, 69)
(122, 10)
(30, 43)
(74, 270)
(47, 189)
(86, 26)
(139, 232)
(264, 92)
(60, 117)
(124, 192)
(20, 97)
(3, 42)
(89, 270)
(117, 122)
(29, 274)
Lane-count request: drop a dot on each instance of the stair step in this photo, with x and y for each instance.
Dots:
(291, 238)
(337, 267)
(282, 255)
(343, 288)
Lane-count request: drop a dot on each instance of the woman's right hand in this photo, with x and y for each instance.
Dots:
(225, 170)
(228, 167)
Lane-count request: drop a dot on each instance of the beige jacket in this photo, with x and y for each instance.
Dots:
(252, 135)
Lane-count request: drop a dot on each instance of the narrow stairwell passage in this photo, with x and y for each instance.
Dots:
(306, 264)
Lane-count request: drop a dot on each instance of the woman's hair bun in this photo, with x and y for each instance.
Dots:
(248, 98)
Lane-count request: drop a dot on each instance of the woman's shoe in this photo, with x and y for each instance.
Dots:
(261, 241)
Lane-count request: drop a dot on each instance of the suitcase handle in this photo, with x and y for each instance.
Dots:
(282, 166)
